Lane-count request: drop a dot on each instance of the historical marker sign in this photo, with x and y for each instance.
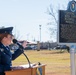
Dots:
(67, 24)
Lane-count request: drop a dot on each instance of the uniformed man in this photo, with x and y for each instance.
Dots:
(5, 55)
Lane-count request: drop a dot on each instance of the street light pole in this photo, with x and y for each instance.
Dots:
(40, 32)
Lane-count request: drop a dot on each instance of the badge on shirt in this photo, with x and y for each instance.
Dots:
(1, 49)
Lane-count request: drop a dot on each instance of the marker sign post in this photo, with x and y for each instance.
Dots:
(67, 31)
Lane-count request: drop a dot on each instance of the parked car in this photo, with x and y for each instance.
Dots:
(63, 47)
(28, 48)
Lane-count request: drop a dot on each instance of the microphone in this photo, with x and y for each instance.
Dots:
(16, 42)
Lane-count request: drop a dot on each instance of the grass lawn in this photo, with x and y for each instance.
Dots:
(57, 62)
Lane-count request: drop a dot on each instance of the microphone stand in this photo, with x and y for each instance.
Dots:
(15, 41)
(27, 59)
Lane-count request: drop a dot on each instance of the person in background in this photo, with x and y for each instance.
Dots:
(6, 56)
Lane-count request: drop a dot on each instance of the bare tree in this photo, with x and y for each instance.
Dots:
(53, 21)
(53, 12)
(16, 34)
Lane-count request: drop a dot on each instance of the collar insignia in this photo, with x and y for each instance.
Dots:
(1, 49)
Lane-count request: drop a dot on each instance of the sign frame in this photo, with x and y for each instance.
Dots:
(58, 33)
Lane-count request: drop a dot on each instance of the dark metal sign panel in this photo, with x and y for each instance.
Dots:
(67, 27)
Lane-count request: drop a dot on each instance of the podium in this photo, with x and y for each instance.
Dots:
(27, 70)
